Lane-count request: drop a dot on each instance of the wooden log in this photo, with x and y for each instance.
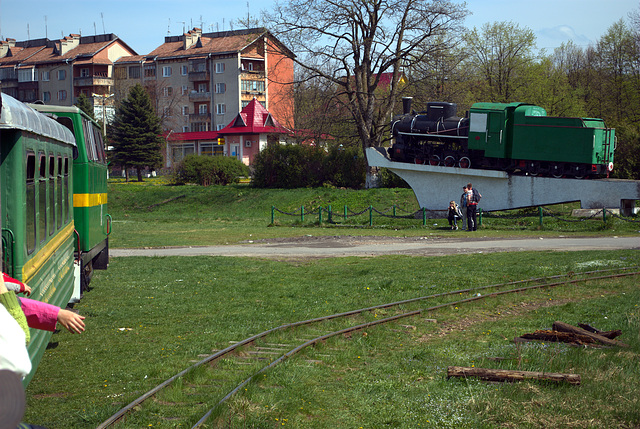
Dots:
(511, 375)
(558, 337)
(608, 334)
(565, 327)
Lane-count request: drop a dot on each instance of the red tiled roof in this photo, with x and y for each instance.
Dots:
(208, 45)
(254, 119)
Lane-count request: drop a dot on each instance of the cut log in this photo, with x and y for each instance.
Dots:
(510, 375)
(608, 334)
(565, 327)
(559, 337)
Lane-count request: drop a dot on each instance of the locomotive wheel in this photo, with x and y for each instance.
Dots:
(464, 162)
(449, 161)
(418, 161)
(557, 170)
(434, 160)
(533, 168)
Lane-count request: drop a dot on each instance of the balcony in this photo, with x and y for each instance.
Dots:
(199, 96)
(252, 75)
(197, 76)
(99, 79)
(199, 117)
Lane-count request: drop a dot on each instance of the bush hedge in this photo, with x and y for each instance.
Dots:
(209, 170)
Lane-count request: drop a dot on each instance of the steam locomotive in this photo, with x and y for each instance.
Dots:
(518, 138)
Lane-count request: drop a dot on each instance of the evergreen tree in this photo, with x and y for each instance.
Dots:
(85, 105)
(136, 133)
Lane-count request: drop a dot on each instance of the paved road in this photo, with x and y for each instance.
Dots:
(323, 247)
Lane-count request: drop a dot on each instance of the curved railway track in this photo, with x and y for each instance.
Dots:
(225, 372)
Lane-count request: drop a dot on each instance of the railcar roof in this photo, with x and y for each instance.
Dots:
(17, 115)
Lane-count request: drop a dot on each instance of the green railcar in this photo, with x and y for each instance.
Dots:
(38, 240)
(92, 220)
(527, 139)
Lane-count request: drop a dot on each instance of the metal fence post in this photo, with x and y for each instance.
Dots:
(301, 213)
(540, 213)
(345, 212)
(394, 210)
(424, 216)
(604, 214)
(319, 215)
(330, 220)
(273, 210)
(370, 215)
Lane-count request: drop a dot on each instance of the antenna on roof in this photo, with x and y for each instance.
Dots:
(169, 27)
(183, 23)
(95, 31)
(102, 18)
(46, 32)
(201, 23)
(28, 32)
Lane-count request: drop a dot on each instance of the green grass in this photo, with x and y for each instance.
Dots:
(153, 214)
(147, 318)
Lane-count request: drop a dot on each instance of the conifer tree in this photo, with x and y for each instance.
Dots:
(136, 133)
(85, 105)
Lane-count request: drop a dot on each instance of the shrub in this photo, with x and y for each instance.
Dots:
(209, 170)
(294, 166)
(389, 179)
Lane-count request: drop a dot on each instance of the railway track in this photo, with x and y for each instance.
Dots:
(203, 388)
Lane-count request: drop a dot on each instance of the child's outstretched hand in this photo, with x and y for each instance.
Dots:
(72, 321)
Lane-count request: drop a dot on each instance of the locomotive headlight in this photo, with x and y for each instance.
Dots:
(610, 166)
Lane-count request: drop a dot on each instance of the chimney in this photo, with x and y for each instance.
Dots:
(5, 47)
(406, 105)
(68, 43)
(191, 38)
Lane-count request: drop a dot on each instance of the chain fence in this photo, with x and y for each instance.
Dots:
(326, 214)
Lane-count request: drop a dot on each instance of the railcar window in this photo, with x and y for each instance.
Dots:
(42, 196)
(59, 193)
(66, 204)
(67, 122)
(99, 144)
(89, 140)
(30, 218)
(51, 209)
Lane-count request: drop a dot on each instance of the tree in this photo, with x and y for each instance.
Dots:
(351, 43)
(136, 133)
(500, 54)
(85, 105)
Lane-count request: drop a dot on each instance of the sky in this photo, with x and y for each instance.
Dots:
(143, 24)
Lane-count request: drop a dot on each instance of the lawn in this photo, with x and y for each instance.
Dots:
(147, 318)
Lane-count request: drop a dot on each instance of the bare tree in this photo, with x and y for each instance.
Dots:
(352, 43)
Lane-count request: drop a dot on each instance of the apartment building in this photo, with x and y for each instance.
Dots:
(199, 82)
(58, 71)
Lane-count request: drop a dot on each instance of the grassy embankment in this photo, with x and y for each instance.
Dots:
(152, 214)
(148, 317)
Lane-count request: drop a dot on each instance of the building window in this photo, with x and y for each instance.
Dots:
(167, 91)
(166, 71)
(166, 111)
(179, 151)
(45, 76)
(221, 109)
(84, 72)
(46, 96)
(252, 85)
(185, 110)
(202, 109)
(120, 72)
(134, 72)
(150, 70)
(62, 95)
(185, 128)
(221, 88)
(219, 67)
(185, 90)
(219, 127)
(184, 70)
(62, 74)
(202, 87)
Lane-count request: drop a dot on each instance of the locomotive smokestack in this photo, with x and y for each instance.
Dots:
(406, 105)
